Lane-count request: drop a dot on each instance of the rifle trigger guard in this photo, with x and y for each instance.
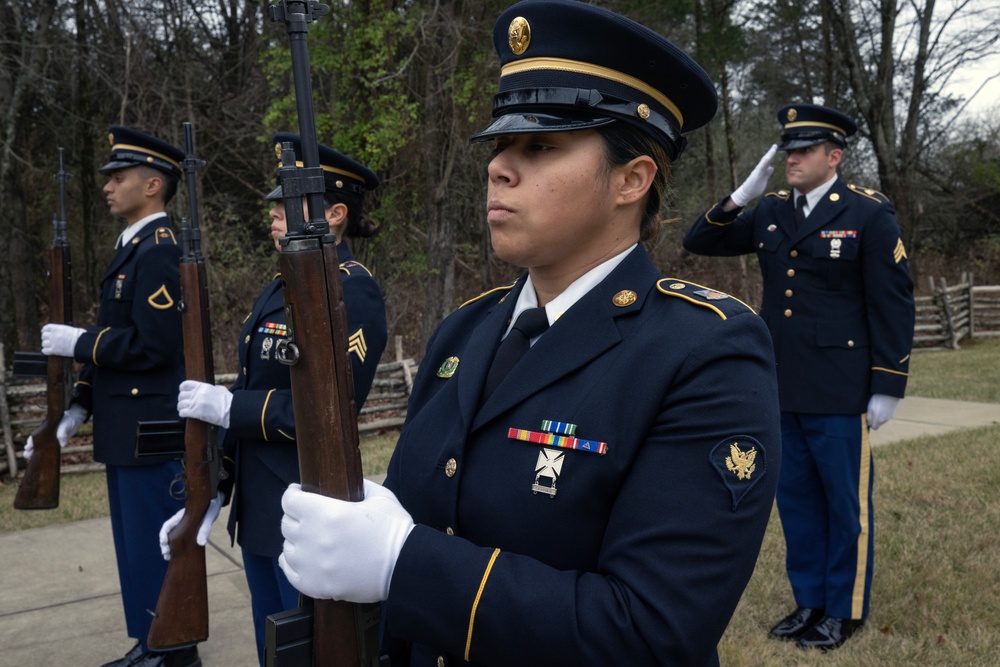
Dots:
(287, 352)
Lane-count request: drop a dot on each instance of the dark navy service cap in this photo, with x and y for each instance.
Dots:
(341, 174)
(566, 65)
(132, 148)
(810, 124)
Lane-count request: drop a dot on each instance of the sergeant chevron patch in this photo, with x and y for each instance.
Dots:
(900, 252)
(356, 344)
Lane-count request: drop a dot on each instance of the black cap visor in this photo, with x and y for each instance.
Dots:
(534, 123)
(118, 165)
(790, 141)
(274, 194)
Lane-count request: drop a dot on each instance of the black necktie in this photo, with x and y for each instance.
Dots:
(800, 210)
(529, 324)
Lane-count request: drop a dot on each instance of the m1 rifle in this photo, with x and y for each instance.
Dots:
(39, 487)
(343, 634)
(181, 617)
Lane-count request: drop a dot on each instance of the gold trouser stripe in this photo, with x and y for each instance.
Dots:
(475, 604)
(861, 571)
(263, 411)
(97, 340)
(579, 67)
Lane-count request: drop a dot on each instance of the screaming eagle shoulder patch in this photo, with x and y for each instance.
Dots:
(741, 462)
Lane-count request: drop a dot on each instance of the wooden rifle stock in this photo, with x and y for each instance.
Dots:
(39, 487)
(343, 634)
(181, 617)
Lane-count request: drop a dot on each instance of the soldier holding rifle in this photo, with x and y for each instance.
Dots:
(600, 500)
(256, 412)
(132, 364)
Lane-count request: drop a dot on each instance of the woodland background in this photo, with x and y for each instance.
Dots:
(402, 84)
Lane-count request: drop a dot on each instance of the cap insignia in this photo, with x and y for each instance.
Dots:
(792, 115)
(111, 139)
(519, 35)
(643, 111)
(277, 151)
(624, 298)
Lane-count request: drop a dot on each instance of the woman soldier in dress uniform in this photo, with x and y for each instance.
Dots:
(257, 412)
(602, 499)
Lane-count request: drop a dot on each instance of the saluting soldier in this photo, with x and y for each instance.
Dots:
(838, 300)
(256, 412)
(602, 499)
(133, 361)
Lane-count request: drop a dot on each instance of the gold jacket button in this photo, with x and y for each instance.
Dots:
(788, 313)
(449, 530)
(247, 339)
(450, 467)
(788, 292)
(135, 391)
(794, 253)
(440, 661)
(761, 245)
(791, 273)
(850, 343)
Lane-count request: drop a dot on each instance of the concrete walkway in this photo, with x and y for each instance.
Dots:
(59, 602)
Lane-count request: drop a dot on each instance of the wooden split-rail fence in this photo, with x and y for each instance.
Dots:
(953, 313)
(945, 317)
(22, 409)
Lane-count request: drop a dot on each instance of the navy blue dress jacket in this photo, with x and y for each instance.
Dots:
(838, 297)
(531, 554)
(133, 358)
(261, 434)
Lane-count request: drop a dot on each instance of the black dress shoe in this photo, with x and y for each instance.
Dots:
(830, 633)
(795, 624)
(186, 657)
(133, 654)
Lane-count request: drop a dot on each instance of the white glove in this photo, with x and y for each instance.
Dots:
(208, 402)
(59, 340)
(206, 526)
(881, 408)
(70, 423)
(756, 182)
(341, 550)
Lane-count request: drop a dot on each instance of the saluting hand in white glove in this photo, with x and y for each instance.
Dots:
(756, 182)
(341, 550)
(881, 408)
(214, 507)
(209, 403)
(59, 340)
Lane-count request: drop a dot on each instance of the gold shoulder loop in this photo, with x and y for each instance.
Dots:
(780, 194)
(720, 303)
(164, 233)
(276, 275)
(504, 288)
(350, 264)
(874, 195)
